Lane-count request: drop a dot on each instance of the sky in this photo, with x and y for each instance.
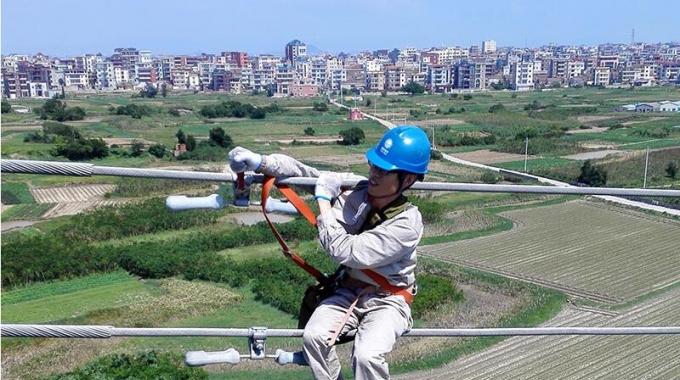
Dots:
(71, 27)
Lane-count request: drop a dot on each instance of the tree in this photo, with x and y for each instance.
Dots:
(672, 169)
(82, 149)
(63, 92)
(490, 176)
(158, 150)
(591, 175)
(435, 154)
(413, 88)
(257, 113)
(136, 149)
(55, 109)
(6, 107)
(498, 107)
(352, 136)
(369, 102)
(149, 91)
(320, 106)
(164, 90)
(181, 137)
(309, 131)
(191, 143)
(219, 138)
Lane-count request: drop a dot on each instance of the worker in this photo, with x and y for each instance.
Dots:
(372, 231)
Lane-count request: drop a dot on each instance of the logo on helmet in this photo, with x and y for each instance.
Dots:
(386, 146)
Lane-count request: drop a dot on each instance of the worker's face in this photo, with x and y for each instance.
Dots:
(381, 182)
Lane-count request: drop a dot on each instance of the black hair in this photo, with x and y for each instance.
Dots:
(402, 177)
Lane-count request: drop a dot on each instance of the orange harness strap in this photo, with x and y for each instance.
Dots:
(307, 212)
(299, 261)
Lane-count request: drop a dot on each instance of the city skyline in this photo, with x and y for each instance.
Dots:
(426, 24)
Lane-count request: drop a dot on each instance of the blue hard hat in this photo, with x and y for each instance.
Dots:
(404, 147)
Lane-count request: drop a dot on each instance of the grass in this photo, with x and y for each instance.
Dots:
(501, 224)
(42, 304)
(16, 192)
(55, 288)
(26, 211)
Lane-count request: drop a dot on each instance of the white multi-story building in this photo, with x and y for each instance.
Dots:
(575, 69)
(106, 78)
(488, 46)
(522, 76)
(76, 79)
(121, 75)
(601, 76)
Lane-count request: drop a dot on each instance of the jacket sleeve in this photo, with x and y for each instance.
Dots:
(280, 165)
(374, 248)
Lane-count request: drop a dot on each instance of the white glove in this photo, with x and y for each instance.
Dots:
(328, 186)
(241, 160)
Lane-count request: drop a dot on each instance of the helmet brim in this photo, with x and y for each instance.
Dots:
(374, 159)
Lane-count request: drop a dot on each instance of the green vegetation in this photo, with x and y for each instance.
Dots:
(672, 169)
(232, 109)
(149, 91)
(143, 365)
(592, 176)
(134, 110)
(15, 193)
(55, 109)
(53, 288)
(352, 136)
(320, 106)
(26, 211)
(117, 246)
(413, 88)
(6, 107)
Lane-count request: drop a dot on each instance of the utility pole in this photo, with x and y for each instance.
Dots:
(434, 146)
(526, 152)
(644, 181)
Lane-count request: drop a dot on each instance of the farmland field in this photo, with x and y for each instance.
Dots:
(580, 357)
(586, 249)
(603, 257)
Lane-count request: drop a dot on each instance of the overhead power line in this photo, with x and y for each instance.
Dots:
(82, 169)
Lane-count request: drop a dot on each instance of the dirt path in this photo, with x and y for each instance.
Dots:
(16, 224)
(486, 156)
(598, 154)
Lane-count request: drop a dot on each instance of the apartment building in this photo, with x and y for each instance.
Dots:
(439, 78)
(469, 75)
(375, 81)
(522, 76)
(295, 50)
(488, 46)
(395, 77)
(601, 76)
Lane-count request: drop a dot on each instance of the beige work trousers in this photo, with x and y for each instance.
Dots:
(378, 319)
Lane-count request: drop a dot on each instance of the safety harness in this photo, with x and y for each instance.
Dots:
(373, 220)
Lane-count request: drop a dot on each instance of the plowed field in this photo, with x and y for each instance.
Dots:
(582, 248)
(580, 357)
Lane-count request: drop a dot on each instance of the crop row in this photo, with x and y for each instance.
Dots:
(580, 245)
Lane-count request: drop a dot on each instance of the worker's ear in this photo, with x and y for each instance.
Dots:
(409, 180)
